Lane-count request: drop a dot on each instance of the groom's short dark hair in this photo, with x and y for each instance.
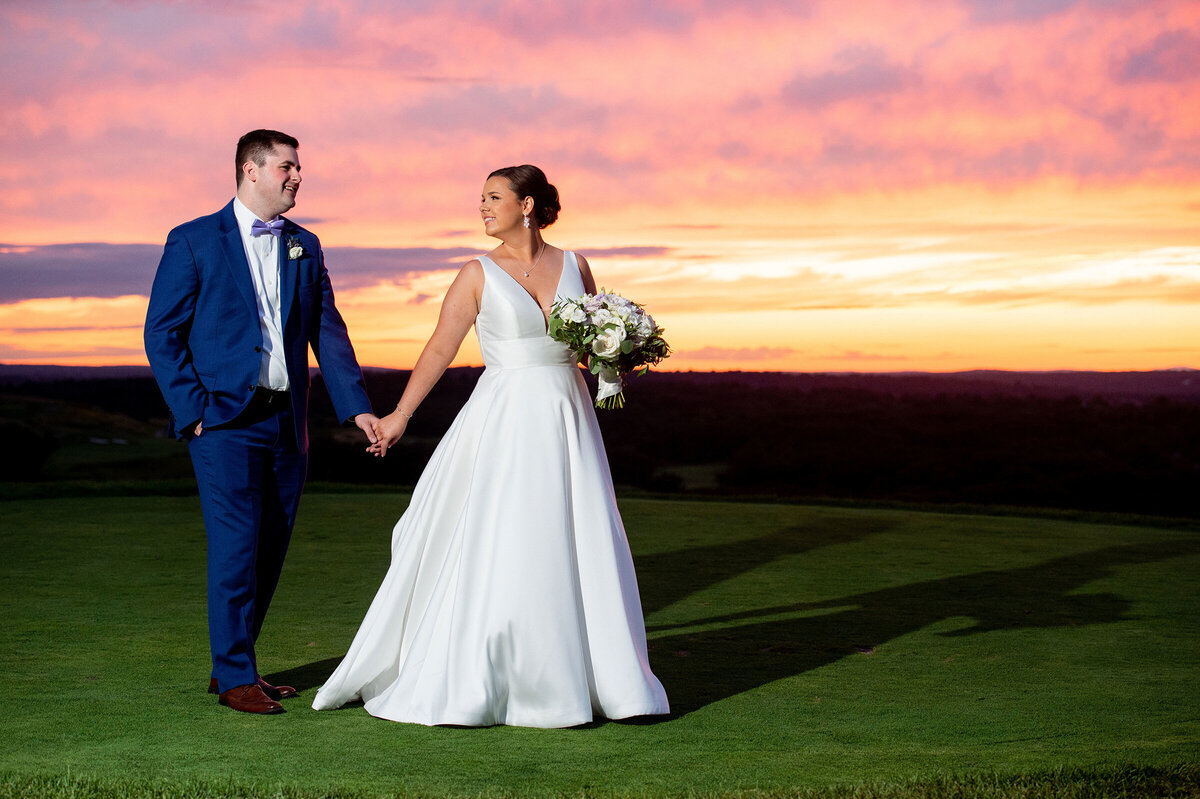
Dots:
(255, 145)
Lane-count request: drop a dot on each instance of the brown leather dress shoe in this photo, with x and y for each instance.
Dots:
(249, 699)
(276, 692)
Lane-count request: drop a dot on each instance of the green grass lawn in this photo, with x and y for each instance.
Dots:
(846, 651)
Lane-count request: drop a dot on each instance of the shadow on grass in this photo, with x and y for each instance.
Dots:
(705, 667)
(306, 677)
(667, 577)
(699, 668)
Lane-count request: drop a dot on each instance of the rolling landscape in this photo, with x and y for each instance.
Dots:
(1126, 442)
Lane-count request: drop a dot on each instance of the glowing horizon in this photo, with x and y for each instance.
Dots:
(813, 187)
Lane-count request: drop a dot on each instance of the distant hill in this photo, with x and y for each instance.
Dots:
(1120, 441)
(1133, 386)
(1116, 386)
(19, 373)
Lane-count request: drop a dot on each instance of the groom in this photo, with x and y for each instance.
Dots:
(238, 298)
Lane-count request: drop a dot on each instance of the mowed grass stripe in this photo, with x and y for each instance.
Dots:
(804, 648)
(1178, 781)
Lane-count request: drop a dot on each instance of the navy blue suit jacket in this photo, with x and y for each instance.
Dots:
(202, 331)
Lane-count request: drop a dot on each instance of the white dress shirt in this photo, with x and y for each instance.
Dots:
(262, 252)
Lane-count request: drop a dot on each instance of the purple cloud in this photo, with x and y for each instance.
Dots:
(1017, 10)
(112, 270)
(76, 270)
(626, 252)
(862, 71)
(92, 269)
(1173, 57)
(455, 107)
(354, 267)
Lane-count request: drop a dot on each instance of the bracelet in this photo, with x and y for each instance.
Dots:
(402, 413)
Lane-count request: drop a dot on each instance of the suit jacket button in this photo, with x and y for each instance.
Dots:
(250, 388)
(258, 349)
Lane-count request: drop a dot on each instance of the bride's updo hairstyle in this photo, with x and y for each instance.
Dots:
(529, 181)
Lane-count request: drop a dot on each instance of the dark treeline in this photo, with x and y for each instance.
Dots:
(835, 441)
(1126, 443)
(909, 438)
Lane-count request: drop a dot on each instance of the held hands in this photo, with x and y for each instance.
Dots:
(387, 431)
(366, 422)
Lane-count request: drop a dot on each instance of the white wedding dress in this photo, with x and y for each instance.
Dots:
(511, 596)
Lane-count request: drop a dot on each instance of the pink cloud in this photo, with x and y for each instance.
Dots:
(737, 354)
(855, 355)
(401, 112)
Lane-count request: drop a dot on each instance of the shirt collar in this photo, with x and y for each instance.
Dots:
(245, 217)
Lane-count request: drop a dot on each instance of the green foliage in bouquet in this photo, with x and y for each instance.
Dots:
(613, 335)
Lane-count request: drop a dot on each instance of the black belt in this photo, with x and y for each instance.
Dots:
(269, 398)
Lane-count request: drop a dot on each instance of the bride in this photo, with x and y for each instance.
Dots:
(511, 596)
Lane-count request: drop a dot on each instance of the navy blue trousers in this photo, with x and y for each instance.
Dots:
(250, 473)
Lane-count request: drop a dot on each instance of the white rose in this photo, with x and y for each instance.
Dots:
(645, 325)
(607, 343)
(602, 317)
(569, 311)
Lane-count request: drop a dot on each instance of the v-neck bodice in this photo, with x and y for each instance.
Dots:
(511, 326)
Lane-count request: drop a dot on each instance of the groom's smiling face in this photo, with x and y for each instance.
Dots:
(273, 184)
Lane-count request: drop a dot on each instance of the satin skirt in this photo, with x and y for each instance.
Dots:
(511, 597)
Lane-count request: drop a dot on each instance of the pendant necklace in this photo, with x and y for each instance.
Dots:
(536, 262)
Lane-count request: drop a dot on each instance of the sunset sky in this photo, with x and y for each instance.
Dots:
(808, 186)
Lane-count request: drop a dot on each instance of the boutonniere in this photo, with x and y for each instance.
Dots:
(295, 248)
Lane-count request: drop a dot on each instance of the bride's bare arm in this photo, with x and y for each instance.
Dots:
(459, 309)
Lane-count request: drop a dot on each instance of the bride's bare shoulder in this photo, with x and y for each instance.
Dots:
(469, 277)
(585, 272)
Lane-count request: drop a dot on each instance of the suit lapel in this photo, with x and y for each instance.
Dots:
(235, 257)
(288, 270)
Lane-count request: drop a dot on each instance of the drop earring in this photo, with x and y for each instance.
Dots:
(527, 221)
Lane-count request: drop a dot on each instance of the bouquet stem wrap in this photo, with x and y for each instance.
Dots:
(609, 386)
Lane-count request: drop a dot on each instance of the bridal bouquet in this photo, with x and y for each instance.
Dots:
(613, 335)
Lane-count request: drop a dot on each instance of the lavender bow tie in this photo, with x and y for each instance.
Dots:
(260, 227)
